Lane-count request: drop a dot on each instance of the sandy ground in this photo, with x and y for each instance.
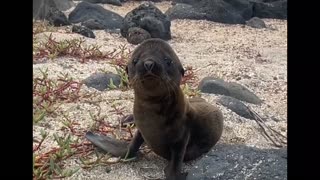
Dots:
(255, 58)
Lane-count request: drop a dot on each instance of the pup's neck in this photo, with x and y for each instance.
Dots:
(167, 98)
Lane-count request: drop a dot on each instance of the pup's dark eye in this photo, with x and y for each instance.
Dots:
(134, 61)
(168, 61)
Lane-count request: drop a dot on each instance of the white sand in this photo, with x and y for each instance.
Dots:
(213, 49)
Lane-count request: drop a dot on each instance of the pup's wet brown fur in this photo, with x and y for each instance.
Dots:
(176, 128)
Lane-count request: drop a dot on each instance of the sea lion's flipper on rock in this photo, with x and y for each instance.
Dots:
(109, 145)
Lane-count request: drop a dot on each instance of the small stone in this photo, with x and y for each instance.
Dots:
(101, 81)
(246, 76)
(236, 106)
(275, 119)
(83, 31)
(218, 86)
(108, 169)
(113, 160)
(256, 22)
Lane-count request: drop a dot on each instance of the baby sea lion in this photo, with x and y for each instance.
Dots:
(174, 127)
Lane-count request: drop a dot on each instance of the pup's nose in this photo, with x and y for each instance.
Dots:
(148, 65)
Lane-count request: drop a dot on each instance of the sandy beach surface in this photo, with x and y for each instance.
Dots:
(255, 58)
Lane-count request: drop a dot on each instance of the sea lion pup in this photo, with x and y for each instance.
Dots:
(174, 127)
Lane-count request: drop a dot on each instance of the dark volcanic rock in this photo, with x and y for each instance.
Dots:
(149, 18)
(85, 11)
(186, 1)
(137, 35)
(184, 11)
(253, 1)
(238, 162)
(268, 1)
(219, 86)
(93, 24)
(63, 5)
(113, 2)
(50, 11)
(256, 22)
(242, 7)
(276, 9)
(222, 11)
(236, 106)
(56, 18)
(41, 7)
(83, 31)
(228, 11)
(101, 81)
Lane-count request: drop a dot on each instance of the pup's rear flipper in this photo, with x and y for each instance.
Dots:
(109, 145)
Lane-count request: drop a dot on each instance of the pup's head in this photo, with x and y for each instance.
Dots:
(154, 68)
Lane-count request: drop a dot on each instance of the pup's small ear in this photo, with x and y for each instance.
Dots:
(182, 71)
